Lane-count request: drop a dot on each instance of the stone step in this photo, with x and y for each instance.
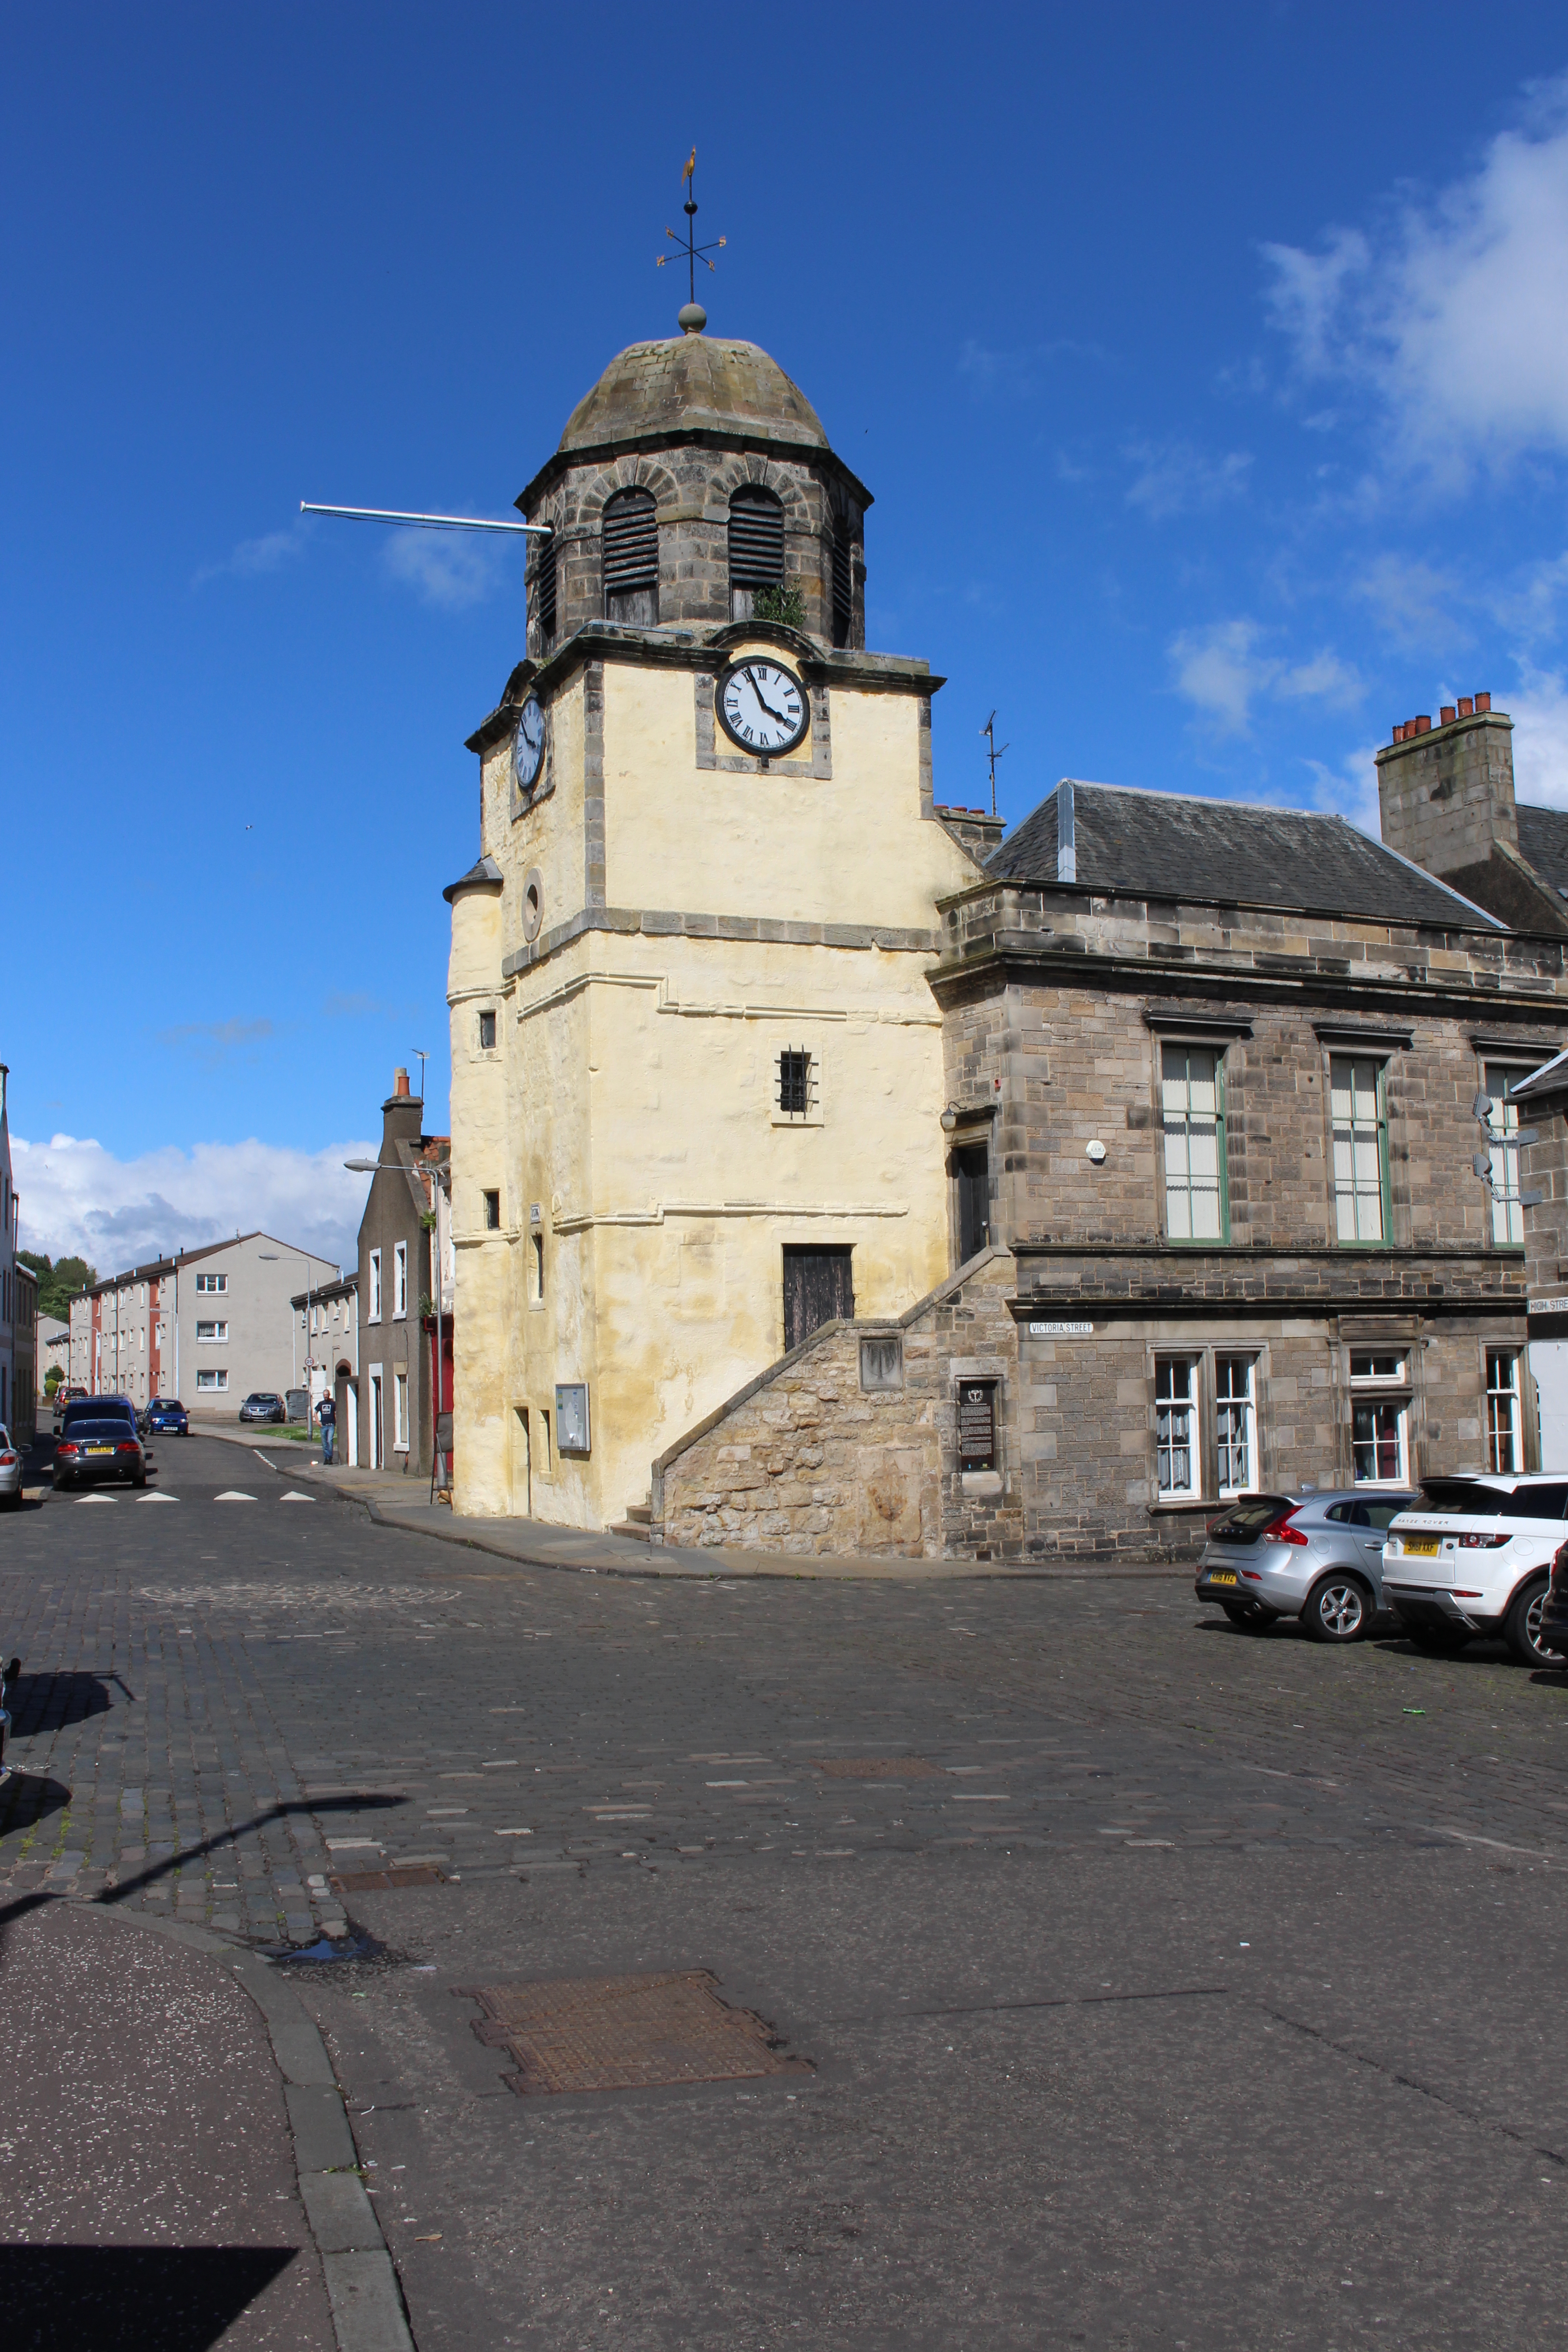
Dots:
(641, 1513)
(639, 1530)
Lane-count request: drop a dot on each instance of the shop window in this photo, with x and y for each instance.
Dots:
(1502, 1142)
(1361, 1148)
(1193, 1116)
(1236, 1423)
(1380, 1419)
(1505, 1449)
(1176, 1427)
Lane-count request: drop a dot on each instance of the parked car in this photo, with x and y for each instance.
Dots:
(166, 1413)
(64, 1396)
(1473, 1556)
(264, 1404)
(10, 1472)
(1314, 1555)
(100, 1441)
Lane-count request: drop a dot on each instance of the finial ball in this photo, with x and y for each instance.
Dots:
(692, 319)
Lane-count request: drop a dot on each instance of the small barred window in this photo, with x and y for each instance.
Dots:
(797, 1084)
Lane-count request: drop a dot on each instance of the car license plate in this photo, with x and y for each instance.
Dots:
(1222, 1576)
(1421, 1547)
(98, 1449)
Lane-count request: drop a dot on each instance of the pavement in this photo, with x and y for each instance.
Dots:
(1122, 1978)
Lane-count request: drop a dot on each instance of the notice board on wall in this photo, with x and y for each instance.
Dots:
(977, 1424)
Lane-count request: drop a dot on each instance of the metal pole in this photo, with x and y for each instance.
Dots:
(427, 522)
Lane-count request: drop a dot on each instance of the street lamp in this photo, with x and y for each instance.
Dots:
(271, 1258)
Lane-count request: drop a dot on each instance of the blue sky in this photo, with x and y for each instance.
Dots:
(1210, 369)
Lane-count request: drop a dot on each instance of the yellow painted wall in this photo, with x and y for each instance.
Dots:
(632, 1094)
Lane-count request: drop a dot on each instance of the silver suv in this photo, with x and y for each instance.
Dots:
(1316, 1555)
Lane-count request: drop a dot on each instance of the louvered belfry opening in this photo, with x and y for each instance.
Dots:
(631, 558)
(843, 588)
(544, 592)
(756, 547)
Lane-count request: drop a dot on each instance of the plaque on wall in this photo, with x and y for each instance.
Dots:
(977, 1425)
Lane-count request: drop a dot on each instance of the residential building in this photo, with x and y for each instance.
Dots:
(18, 1298)
(406, 1225)
(53, 1350)
(207, 1325)
(327, 1326)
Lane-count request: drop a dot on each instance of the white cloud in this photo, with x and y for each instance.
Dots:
(1222, 669)
(452, 569)
(78, 1198)
(254, 557)
(1412, 601)
(1453, 309)
(1540, 715)
(1175, 478)
(1350, 790)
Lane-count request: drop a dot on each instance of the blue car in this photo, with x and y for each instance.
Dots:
(166, 1412)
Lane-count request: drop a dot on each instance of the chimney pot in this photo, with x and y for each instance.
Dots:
(400, 1082)
(1423, 722)
(1449, 713)
(1483, 702)
(1399, 732)
(1467, 704)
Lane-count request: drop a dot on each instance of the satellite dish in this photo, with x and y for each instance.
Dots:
(1483, 1167)
(1482, 1105)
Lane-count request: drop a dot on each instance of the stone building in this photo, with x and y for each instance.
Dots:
(387, 1401)
(1216, 1081)
(696, 1066)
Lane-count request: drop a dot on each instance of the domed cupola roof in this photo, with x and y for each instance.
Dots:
(692, 385)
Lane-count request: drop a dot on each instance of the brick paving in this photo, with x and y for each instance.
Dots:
(861, 1805)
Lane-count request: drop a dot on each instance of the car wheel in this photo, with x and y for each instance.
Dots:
(1337, 1608)
(1521, 1627)
(1443, 1641)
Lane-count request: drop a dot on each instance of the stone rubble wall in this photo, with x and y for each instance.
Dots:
(804, 1460)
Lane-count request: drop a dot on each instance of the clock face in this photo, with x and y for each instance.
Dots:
(528, 744)
(763, 708)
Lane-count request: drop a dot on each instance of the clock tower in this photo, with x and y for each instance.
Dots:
(697, 1067)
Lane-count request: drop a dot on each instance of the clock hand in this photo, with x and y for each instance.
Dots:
(768, 707)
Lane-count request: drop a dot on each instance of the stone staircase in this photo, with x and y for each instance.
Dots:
(638, 1523)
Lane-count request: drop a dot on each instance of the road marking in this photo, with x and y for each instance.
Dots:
(294, 1496)
(233, 1495)
(157, 1498)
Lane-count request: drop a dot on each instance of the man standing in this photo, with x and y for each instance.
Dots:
(327, 1414)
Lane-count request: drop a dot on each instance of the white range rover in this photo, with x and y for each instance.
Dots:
(1474, 1557)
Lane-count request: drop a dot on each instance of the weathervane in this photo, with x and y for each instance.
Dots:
(692, 318)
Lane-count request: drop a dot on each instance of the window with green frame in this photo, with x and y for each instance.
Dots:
(1192, 1112)
(1359, 1116)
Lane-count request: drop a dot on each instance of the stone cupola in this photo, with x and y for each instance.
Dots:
(692, 475)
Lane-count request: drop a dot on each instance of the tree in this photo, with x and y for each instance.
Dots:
(58, 1284)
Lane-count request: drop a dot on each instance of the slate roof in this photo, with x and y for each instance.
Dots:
(1543, 842)
(1226, 853)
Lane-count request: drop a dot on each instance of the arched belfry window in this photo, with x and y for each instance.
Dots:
(843, 584)
(630, 539)
(544, 592)
(756, 547)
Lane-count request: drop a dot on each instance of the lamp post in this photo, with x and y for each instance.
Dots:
(271, 1258)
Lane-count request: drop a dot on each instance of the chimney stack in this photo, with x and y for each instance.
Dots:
(400, 1082)
(1445, 796)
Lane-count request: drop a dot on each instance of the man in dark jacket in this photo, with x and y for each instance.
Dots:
(327, 1414)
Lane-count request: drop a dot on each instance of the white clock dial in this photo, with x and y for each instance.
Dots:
(762, 706)
(528, 744)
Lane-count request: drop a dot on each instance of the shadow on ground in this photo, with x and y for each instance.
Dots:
(125, 2298)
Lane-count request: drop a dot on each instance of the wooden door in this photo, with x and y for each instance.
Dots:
(818, 1288)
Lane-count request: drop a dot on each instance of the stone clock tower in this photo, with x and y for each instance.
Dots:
(697, 1072)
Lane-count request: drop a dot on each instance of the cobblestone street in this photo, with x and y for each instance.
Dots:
(1148, 1983)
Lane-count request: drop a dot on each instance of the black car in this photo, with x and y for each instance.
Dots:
(264, 1404)
(99, 1441)
(166, 1413)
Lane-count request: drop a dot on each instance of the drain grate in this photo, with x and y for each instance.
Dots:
(382, 1881)
(877, 1767)
(623, 2033)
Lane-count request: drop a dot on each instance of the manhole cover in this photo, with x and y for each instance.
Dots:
(382, 1881)
(622, 2033)
(877, 1767)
